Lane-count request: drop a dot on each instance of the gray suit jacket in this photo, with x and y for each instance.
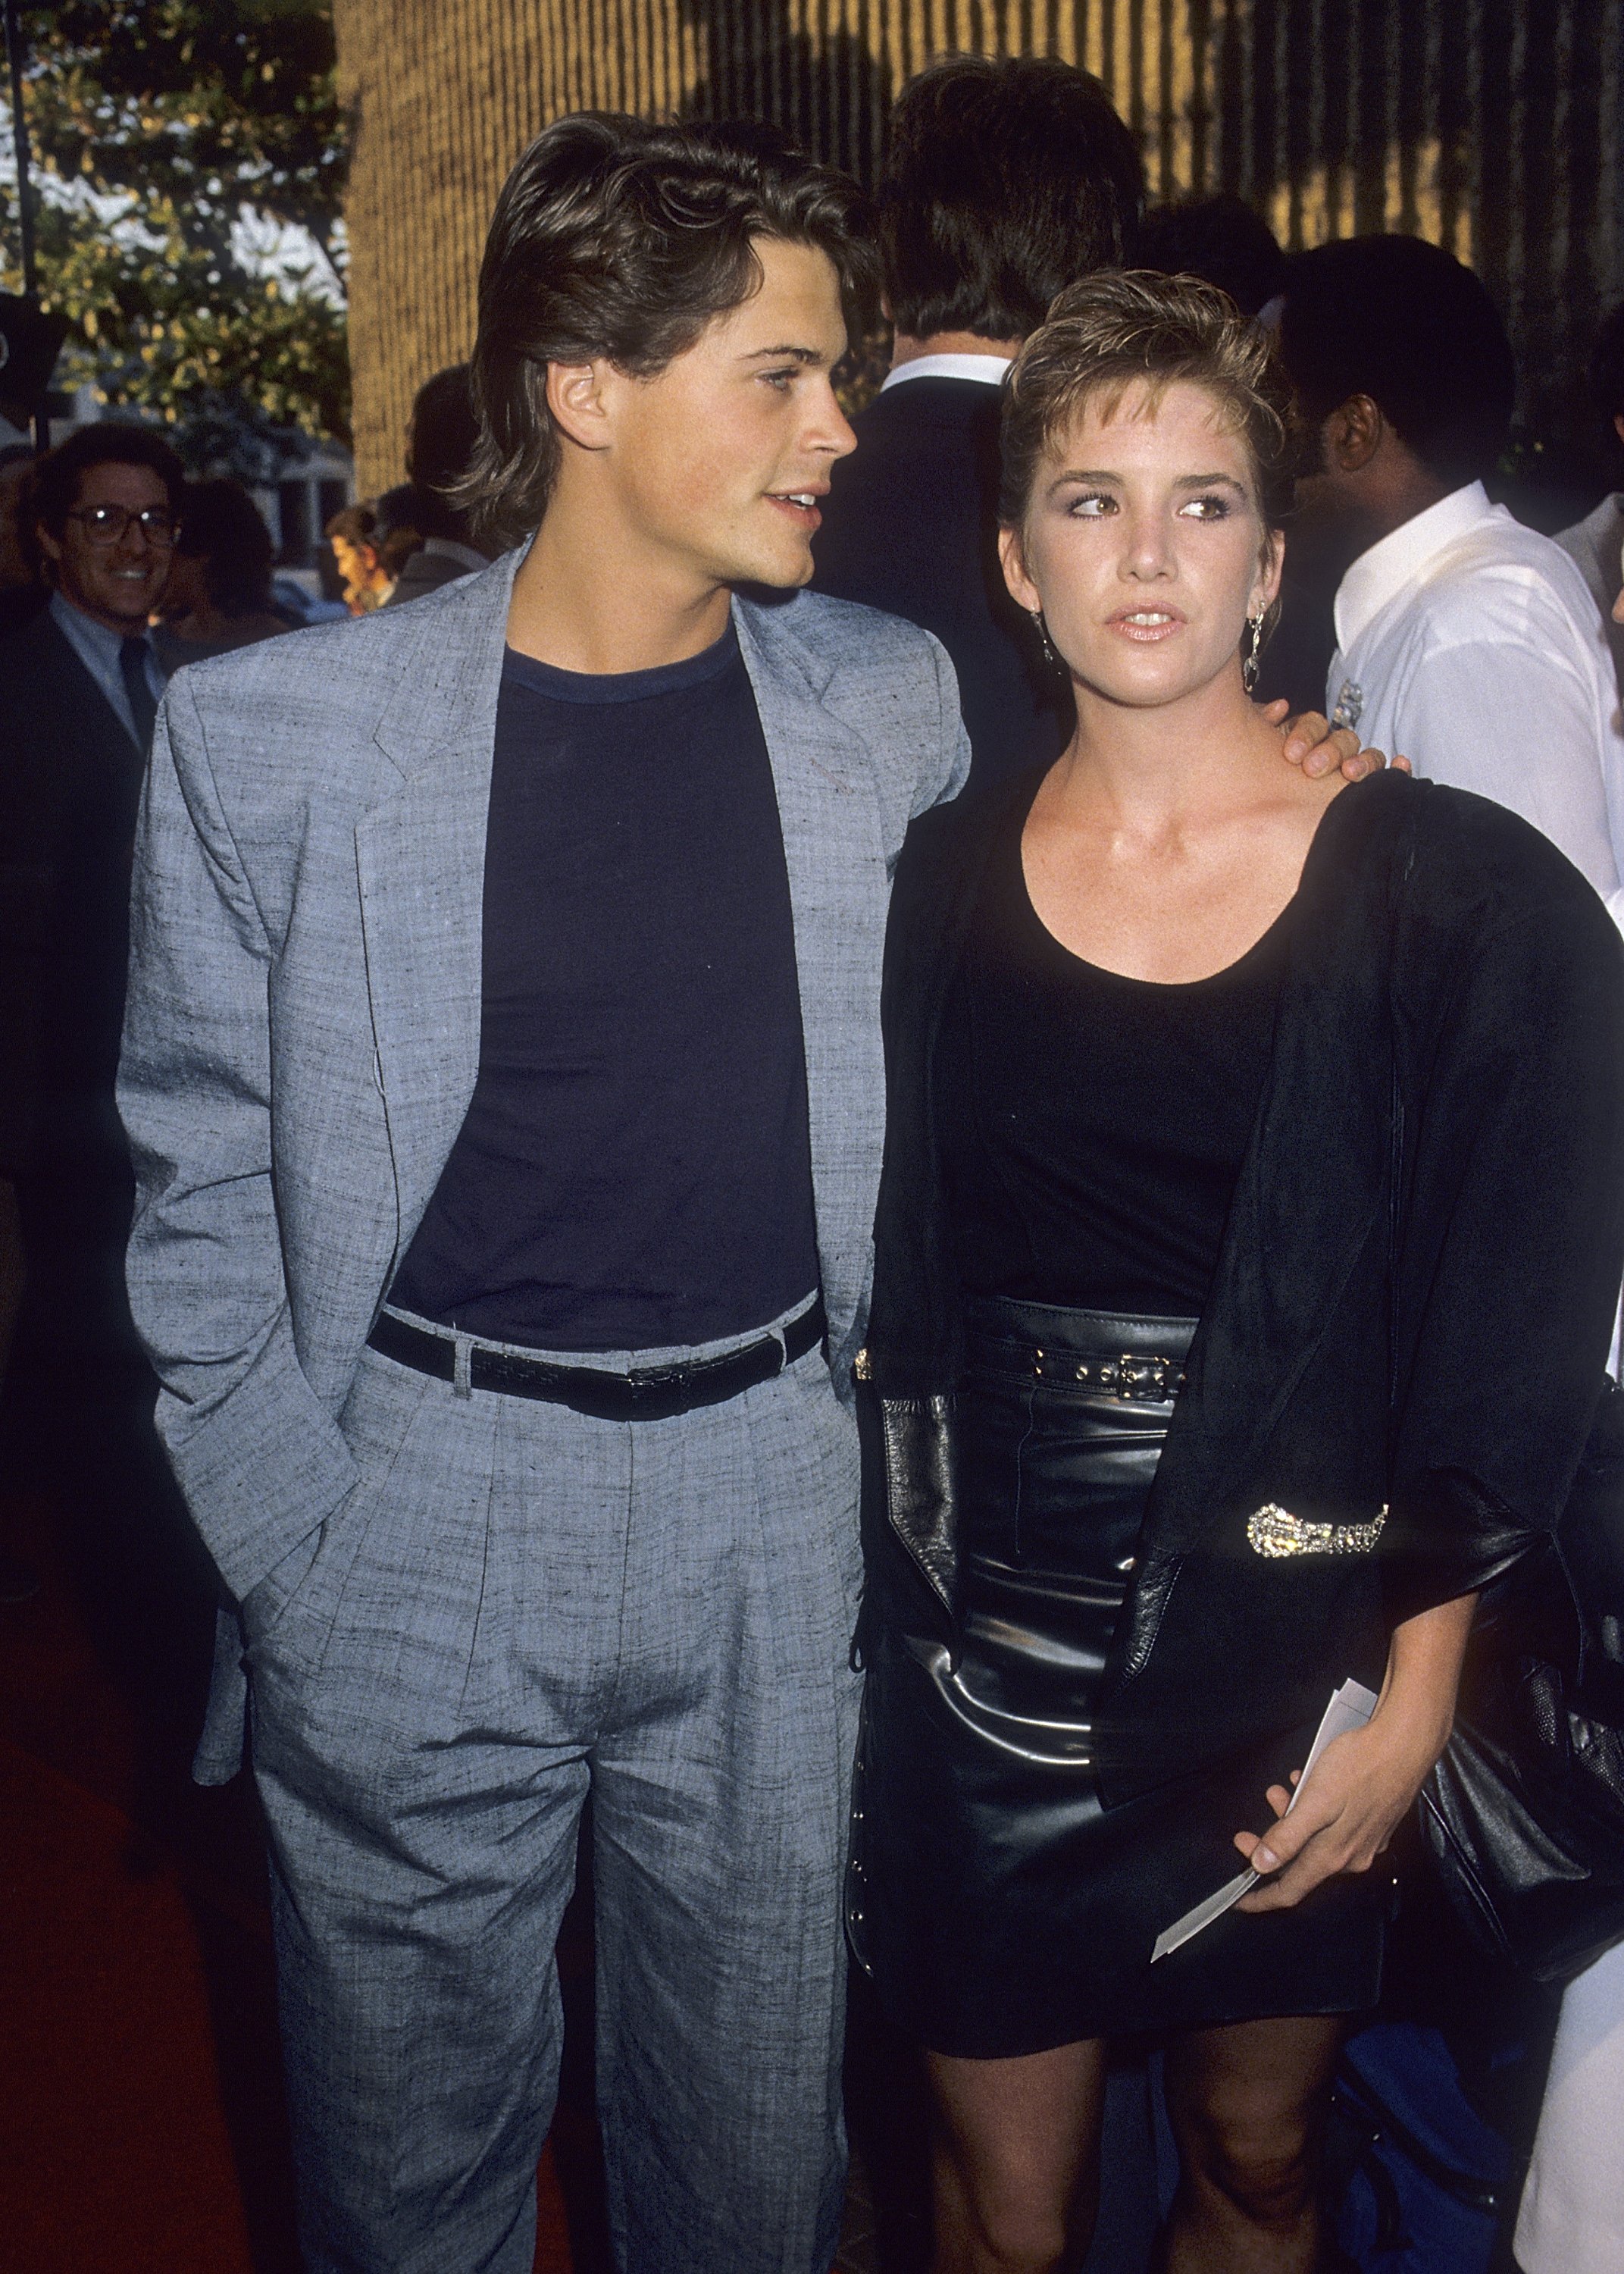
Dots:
(303, 1028)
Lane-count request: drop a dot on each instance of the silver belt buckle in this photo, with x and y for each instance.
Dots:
(1129, 1378)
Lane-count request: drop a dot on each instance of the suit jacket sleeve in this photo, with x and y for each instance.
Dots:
(952, 749)
(261, 1460)
(1510, 1267)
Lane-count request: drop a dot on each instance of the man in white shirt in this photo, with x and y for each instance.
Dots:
(1597, 543)
(1463, 639)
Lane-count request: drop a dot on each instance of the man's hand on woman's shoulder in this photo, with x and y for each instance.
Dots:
(1314, 744)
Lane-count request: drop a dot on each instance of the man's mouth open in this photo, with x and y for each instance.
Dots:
(800, 505)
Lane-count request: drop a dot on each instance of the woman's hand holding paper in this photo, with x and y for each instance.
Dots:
(1364, 1782)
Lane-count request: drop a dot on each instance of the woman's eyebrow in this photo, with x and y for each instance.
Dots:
(1183, 482)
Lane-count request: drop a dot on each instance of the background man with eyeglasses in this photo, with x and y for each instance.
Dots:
(79, 685)
(105, 508)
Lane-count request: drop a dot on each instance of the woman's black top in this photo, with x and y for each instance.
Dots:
(1403, 1346)
(1092, 1125)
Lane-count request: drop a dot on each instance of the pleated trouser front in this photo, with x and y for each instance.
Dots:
(516, 1604)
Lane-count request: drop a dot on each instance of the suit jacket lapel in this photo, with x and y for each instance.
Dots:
(91, 722)
(420, 862)
(420, 859)
(839, 888)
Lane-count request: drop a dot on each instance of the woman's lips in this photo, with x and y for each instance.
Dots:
(1145, 627)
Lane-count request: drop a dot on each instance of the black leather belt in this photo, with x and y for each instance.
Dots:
(650, 1393)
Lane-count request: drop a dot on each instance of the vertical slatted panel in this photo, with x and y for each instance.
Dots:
(1494, 126)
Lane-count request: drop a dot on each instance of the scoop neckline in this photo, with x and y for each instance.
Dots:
(1229, 971)
(1265, 938)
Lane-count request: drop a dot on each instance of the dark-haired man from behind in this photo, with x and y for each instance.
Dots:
(1004, 180)
(1465, 639)
(1222, 240)
(503, 1070)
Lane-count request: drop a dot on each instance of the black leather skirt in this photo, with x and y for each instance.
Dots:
(1000, 1908)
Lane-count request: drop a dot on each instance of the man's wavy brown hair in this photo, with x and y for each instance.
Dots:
(1125, 329)
(621, 239)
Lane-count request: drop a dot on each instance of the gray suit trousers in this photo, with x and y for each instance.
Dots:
(515, 1604)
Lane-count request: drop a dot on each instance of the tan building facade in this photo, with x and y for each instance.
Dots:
(1494, 126)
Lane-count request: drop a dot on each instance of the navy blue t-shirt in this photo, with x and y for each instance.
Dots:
(635, 1169)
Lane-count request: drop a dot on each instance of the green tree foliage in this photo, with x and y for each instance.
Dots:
(176, 144)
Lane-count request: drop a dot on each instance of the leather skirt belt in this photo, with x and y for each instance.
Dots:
(646, 1394)
(1062, 1418)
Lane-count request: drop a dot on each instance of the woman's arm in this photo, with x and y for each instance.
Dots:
(1363, 1784)
(1507, 1275)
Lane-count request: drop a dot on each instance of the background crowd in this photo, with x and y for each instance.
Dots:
(1422, 607)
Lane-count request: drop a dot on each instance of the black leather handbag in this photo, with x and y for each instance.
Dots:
(1525, 1813)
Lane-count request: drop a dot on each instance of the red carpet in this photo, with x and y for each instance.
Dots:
(117, 2154)
(144, 2131)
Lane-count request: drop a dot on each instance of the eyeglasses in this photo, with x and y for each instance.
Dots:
(107, 524)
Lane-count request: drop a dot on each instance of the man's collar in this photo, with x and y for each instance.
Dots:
(85, 633)
(989, 370)
(1393, 561)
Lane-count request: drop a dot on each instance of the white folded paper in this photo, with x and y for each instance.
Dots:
(1350, 1708)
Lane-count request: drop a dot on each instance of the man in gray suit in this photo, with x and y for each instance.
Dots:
(503, 1074)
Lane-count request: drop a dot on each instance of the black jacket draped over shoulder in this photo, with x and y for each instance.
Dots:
(1404, 1346)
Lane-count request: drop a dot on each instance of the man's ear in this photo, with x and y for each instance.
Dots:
(1022, 589)
(50, 545)
(576, 397)
(1352, 434)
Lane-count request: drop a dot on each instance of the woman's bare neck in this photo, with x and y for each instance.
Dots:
(1163, 844)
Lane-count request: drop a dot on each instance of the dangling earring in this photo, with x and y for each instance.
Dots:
(1254, 649)
(1049, 656)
